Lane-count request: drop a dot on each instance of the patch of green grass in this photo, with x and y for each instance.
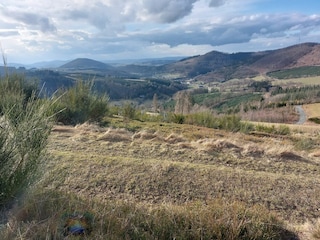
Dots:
(305, 143)
(278, 130)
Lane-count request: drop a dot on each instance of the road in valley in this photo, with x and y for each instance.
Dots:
(302, 115)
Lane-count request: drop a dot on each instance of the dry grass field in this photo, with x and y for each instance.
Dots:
(312, 110)
(304, 81)
(170, 166)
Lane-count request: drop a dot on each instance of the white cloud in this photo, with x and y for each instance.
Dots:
(29, 19)
(31, 30)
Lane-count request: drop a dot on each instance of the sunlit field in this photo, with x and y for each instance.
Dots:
(162, 174)
(298, 81)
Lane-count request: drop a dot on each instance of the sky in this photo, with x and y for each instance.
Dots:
(33, 31)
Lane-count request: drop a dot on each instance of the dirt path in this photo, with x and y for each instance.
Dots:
(302, 115)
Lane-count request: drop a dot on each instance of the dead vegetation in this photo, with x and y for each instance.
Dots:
(194, 168)
(179, 164)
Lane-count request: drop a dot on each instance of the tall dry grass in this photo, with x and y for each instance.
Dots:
(40, 216)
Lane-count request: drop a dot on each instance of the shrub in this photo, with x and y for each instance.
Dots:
(128, 111)
(25, 125)
(305, 143)
(205, 119)
(177, 118)
(315, 120)
(79, 104)
(230, 123)
(281, 130)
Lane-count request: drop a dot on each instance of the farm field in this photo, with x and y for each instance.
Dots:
(304, 129)
(303, 81)
(312, 110)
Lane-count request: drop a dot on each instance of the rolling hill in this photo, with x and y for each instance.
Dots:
(212, 66)
(85, 63)
(90, 66)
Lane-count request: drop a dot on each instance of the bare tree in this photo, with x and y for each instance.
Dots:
(183, 102)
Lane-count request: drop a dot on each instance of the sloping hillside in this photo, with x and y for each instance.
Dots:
(217, 66)
(295, 56)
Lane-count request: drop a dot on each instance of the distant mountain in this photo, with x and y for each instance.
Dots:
(46, 64)
(144, 61)
(218, 66)
(15, 65)
(39, 65)
(90, 66)
(85, 63)
(10, 70)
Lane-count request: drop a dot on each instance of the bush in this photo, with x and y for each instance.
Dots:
(128, 111)
(24, 129)
(305, 143)
(205, 119)
(315, 120)
(280, 130)
(78, 105)
(283, 130)
(177, 118)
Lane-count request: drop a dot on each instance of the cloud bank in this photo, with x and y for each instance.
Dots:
(108, 29)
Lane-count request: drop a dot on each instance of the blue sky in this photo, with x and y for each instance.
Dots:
(33, 30)
(283, 6)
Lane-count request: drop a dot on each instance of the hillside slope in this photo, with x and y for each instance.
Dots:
(295, 56)
(218, 66)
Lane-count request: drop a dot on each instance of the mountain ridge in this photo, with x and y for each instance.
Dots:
(219, 66)
(212, 66)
